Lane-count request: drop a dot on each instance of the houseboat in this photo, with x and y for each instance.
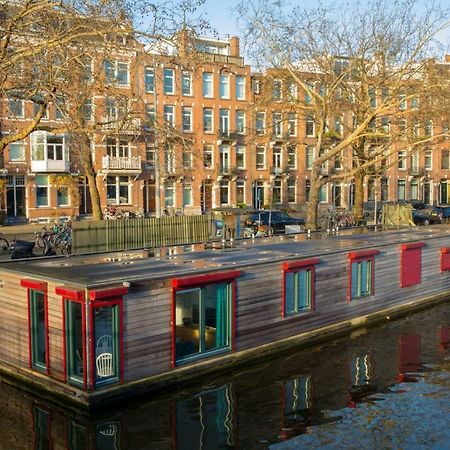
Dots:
(96, 329)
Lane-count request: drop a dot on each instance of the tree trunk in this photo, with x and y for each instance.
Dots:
(313, 202)
(358, 207)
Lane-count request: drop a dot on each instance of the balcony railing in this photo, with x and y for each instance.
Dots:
(121, 162)
(50, 165)
(225, 59)
(276, 170)
(416, 171)
(326, 170)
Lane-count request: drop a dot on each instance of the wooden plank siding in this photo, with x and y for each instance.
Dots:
(110, 235)
(147, 307)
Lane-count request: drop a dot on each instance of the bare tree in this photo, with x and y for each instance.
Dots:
(356, 66)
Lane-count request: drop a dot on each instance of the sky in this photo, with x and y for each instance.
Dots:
(220, 16)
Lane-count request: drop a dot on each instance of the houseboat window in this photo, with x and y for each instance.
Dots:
(361, 278)
(38, 330)
(106, 335)
(298, 291)
(78, 436)
(41, 425)
(203, 320)
(74, 341)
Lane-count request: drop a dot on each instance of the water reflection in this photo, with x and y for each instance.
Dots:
(268, 403)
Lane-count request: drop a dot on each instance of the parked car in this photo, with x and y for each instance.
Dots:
(440, 214)
(275, 220)
(419, 218)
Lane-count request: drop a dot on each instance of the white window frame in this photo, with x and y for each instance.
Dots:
(208, 85)
(168, 81)
(240, 87)
(224, 86)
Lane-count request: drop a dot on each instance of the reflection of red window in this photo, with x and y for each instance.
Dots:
(409, 358)
(445, 259)
(411, 264)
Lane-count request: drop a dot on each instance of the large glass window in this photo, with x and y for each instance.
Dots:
(277, 124)
(310, 128)
(16, 108)
(17, 151)
(75, 353)
(42, 190)
(208, 156)
(107, 342)
(298, 291)
(260, 122)
(62, 196)
(224, 115)
(186, 83)
(240, 121)
(117, 190)
(169, 115)
(207, 84)
(361, 280)
(38, 330)
(309, 157)
(186, 115)
(169, 194)
(224, 87)
(240, 157)
(240, 87)
(260, 157)
(187, 194)
(168, 81)
(149, 79)
(401, 189)
(202, 320)
(291, 190)
(208, 120)
(116, 72)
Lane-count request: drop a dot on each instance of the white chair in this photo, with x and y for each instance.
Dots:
(104, 364)
(104, 343)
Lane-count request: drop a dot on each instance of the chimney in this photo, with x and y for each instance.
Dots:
(447, 58)
(234, 46)
(183, 39)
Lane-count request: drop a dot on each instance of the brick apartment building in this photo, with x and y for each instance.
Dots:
(196, 108)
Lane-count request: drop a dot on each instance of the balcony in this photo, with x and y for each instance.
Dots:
(231, 136)
(416, 171)
(50, 165)
(224, 59)
(326, 170)
(121, 163)
(277, 171)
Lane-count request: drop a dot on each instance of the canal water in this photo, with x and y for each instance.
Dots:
(383, 387)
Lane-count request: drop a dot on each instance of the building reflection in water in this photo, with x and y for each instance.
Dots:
(270, 402)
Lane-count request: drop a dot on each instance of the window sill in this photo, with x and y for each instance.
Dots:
(201, 356)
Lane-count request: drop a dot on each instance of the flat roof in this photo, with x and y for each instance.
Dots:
(106, 269)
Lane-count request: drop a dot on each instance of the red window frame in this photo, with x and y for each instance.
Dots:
(445, 259)
(77, 296)
(179, 284)
(296, 266)
(104, 298)
(411, 264)
(40, 286)
(358, 256)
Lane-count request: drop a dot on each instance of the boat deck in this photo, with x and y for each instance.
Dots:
(105, 269)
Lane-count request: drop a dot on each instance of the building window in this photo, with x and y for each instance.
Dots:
(208, 120)
(38, 325)
(207, 84)
(307, 189)
(17, 151)
(309, 157)
(291, 190)
(291, 157)
(203, 312)
(260, 157)
(402, 102)
(240, 191)
(445, 160)
(187, 159)
(361, 273)
(168, 81)
(149, 79)
(62, 196)
(186, 115)
(428, 162)
(169, 158)
(411, 264)
(37, 106)
(277, 124)
(150, 156)
(224, 154)
(208, 156)
(276, 157)
(240, 87)
(240, 122)
(292, 124)
(169, 115)
(16, 108)
(224, 121)
(308, 96)
(323, 194)
(110, 109)
(224, 192)
(260, 122)
(224, 86)
(372, 97)
(240, 157)
(276, 91)
(169, 194)
(117, 148)
(414, 189)
(59, 108)
(401, 160)
(310, 128)
(42, 198)
(116, 72)
(186, 83)
(187, 194)
(117, 190)
(150, 117)
(401, 189)
(298, 286)
(428, 128)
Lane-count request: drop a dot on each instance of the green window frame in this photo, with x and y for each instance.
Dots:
(203, 320)
(361, 278)
(75, 345)
(298, 291)
(38, 330)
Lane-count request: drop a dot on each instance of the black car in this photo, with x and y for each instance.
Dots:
(419, 218)
(440, 214)
(275, 220)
